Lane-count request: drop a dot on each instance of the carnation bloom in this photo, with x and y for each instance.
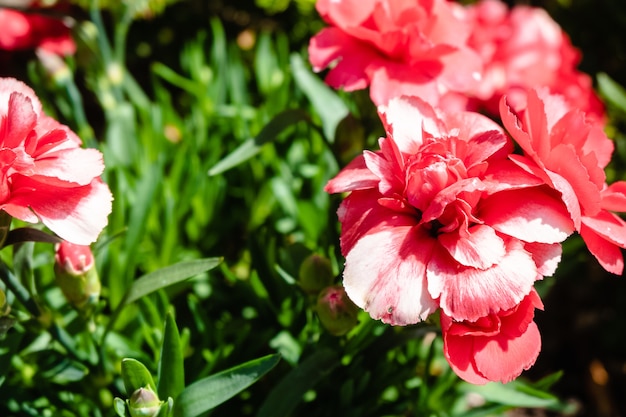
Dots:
(523, 48)
(570, 154)
(396, 47)
(440, 218)
(44, 173)
(22, 30)
(497, 347)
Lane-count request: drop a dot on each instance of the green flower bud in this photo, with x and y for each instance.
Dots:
(336, 311)
(315, 274)
(76, 275)
(144, 403)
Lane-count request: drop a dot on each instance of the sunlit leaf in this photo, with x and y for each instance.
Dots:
(251, 147)
(135, 376)
(325, 101)
(171, 370)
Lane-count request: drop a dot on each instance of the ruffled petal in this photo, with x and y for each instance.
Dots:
(467, 293)
(354, 176)
(76, 214)
(529, 214)
(482, 248)
(385, 275)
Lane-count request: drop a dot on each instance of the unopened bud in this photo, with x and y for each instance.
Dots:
(144, 403)
(315, 274)
(336, 311)
(76, 275)
(349, 139)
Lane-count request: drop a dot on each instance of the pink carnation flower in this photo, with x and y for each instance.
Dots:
(396, 47)
(44, 173)
(569, 154)
(439, 217)
(22, 30)
(497, 347)
(524, 48)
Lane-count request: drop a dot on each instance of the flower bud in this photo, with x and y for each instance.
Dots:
(336, 311)
(76, 275)
(144, 403)
(349, 139)
(315, 274)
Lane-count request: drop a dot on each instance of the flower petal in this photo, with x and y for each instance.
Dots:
(529, 214)
(385, 275)
(467, 293)
(482, 248)
(76, 214)
(354, 176)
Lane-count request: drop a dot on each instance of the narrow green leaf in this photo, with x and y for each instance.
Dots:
(135, 376)
(612, 91)
(510, 395)
(326, 102)
(206, 394)
(171, 370)
(288, 393)
(167, 276)
(161, 278)
(252, 146)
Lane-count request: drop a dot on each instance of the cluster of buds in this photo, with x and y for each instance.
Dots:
(336, 312)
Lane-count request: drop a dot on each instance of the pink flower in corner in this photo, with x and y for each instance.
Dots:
(570, 154)
(23, 30)
(440, 218)
(44, 173)
(524, 47)
(396, 47)
(497, 347)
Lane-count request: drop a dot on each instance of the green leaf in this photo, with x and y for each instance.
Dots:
(252, 146)
(207, 393)
(288, 393)
(612, 91)
(171, 370)
(326, 102)
(167, 276)
(510, 395)
(135, 376)
(119, 406)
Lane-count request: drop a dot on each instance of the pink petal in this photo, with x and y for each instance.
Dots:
(76, 214)
(546, 256)
(565, 162)
(482, 248)
(529, 214)
(614, 197)
(467, 293)
(355, 176)
(503, 359)
(506, 175)
(352, 58)
(405, 117)
(360, 214)
(77, 165)
(459, 351)
(604, 235)
(385, 274)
